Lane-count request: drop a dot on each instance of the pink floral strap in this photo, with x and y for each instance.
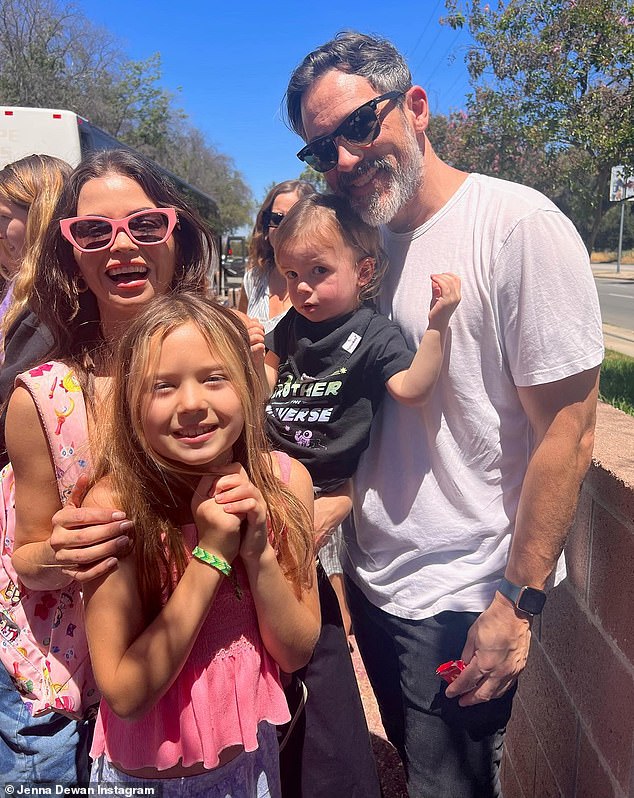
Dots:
(60, 403)
(43, 643)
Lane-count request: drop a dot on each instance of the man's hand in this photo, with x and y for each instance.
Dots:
(330, 510)
(495, 652)
(88, 541)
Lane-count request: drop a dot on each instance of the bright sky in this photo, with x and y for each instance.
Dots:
(228, 63)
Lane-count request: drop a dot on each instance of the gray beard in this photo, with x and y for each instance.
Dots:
(405, 178)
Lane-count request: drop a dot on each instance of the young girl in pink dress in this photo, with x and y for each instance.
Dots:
(218, 592)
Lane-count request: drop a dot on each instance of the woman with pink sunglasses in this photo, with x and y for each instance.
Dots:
(121, 235)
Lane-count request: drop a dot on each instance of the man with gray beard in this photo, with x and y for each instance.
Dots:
(460, 512)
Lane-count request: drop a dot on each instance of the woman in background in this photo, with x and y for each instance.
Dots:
(5, 276)
(264, 296)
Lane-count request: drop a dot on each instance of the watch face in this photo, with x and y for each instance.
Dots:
(531, 600)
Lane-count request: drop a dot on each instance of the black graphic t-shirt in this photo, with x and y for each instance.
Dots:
(331, 379)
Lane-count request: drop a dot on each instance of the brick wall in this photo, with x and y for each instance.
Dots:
(572, 730)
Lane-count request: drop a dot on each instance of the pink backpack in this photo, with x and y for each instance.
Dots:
(42, 635)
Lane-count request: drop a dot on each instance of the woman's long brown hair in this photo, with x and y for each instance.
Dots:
(73, 317)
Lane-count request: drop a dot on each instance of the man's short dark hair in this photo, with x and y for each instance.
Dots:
(370, 57)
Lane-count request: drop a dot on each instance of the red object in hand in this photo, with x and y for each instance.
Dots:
(450, 670)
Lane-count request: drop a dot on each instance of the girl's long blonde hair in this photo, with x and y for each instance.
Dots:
(34, 183)
(153, 491)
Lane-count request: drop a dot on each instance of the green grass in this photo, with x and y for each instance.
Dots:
(616, 386)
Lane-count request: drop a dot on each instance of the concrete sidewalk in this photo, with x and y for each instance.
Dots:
(626, 271)
(618, 339)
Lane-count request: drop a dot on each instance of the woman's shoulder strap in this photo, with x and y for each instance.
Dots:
(60, 404)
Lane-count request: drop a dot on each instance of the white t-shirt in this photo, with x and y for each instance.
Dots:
(436, 492)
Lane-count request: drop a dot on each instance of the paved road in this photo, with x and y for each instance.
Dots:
(616, 298)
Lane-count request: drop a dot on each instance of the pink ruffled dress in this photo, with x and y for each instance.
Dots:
(227, 686)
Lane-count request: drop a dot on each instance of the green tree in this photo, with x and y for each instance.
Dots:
(608, 235)
(201, 165)
(552, 79)
(52, 56)
(142, 113)
(458, 139)
(316, 178)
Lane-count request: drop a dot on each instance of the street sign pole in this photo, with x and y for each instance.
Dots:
(618, 257)
(621, 190)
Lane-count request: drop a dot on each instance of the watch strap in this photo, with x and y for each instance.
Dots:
(509, 590)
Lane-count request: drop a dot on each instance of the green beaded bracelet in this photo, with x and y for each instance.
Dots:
(211, 559)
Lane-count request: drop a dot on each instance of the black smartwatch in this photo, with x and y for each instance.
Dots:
(527, 599)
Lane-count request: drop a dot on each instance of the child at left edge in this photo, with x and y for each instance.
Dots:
(332, 357)
(188, 634)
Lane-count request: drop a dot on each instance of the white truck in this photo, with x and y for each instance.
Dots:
(25, 131)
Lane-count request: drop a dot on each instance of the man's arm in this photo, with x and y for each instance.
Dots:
(331, 509)
(562, 416)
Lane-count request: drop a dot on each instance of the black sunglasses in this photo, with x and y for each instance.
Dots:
(361, 127)
(272, 219)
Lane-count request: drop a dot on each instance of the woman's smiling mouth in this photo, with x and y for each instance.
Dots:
(131, 272)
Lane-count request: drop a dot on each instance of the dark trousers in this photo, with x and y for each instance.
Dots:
(329, 754)
(448, 751)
